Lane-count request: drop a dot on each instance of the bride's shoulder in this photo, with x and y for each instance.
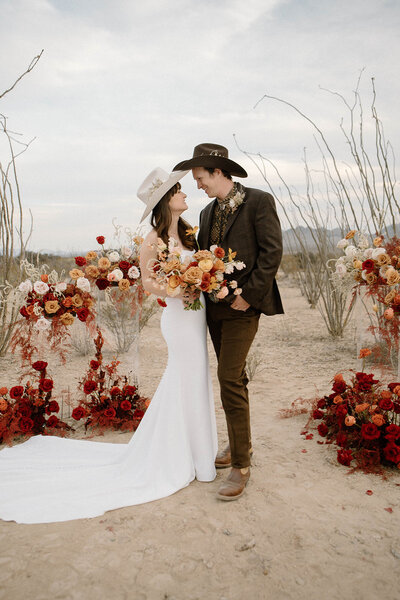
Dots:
(151, 237)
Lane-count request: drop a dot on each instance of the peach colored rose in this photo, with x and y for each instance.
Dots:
(206, 264)
(383, 259)
(172, 265)
(51, 306)
(222, 293)
(219, 265)
(364, 352)
(392, 276)
(338, 399)
(370, 278)
(124, 284)
(396, 390)
(3, 404)
(92, 271)
(193, 275)
(378, 241)
(357, 276)
(91, 255)
(174, 281)
(361, 407)
(378, 420)
(389, 314)
(3, 391)
(349, 421)
(76, 273)
(103, 263)
(77, 300)
(338, 378)
(350, 235)
(389, 297)
(202, 255)
(67, 319)
(357, 264)
(386, 395)
(67, 302)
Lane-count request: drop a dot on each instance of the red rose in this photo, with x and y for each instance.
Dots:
(16, 392)
(341, 411)
(129, 390)
(365, 382)
(391, 386)
(219, 252)
(26, 425)
(321, 403)
(161, 302)
(323, 429)
(396, 407)
(39, 365)
(115, 390)
(317, 414)
(339, 386)
(78, 413)
(100, 239)
(94, 364)
(344, 457)
(126, 405)
(392, 432)
(46, 385)
(80, 261)
(124, 265)
(369, 431)
(82, 313)
(341, 439)
(385, 404)
(392, 452)
(206, 277)
(24, 410)
(24, 312)
(368, 265)
(110, 412)
(138, 414)
(102, 283)
(52, 421)
(89, 386)
(53, 406)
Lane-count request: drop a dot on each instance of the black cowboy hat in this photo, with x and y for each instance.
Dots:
(213, 156)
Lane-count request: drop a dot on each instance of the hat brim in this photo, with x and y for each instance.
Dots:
(212, 161)
(163, 189)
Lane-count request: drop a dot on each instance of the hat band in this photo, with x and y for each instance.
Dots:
(157, 183)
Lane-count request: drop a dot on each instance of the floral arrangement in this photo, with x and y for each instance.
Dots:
(362, 417)
(110, 268)
(29, 409)
(205, 271)
(49, 308)
(109, 401)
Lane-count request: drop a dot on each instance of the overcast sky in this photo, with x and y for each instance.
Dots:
(124, 86)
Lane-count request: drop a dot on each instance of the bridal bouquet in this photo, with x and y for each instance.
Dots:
(111, 268)
(205, 271)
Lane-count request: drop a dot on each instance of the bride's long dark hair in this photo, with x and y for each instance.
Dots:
(161, 220)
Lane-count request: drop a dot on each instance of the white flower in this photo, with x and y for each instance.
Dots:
(229, 268)
(161, 246)
(61, 287)
(376, 252)
(38, 310)
(364, 274)
(341, 260)
(83, 284)
(340, 269)
(238, 291)
(363, 242)
(40, 287)
(26, 286)
(342, 243)
(113, 256)
(219, 276)
(126, 252)
(133, 273)
(42, 324)
(212, 248)
(115, 275)
(233, 284)
(239, 265)
(368, 252)
(351, 251)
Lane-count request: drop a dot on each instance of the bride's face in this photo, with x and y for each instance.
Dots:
(177, 203)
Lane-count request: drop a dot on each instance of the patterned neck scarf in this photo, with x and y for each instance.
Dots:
(220, 217)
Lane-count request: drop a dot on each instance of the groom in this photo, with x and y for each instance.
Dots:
(245, 220)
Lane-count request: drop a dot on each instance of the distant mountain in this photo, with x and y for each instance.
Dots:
(310, 236)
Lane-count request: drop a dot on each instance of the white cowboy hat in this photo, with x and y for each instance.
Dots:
(156, 184)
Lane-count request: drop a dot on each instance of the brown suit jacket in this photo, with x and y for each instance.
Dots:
(254, 232)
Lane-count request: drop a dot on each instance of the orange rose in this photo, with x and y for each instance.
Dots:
(389, 314)
(174, 281)
(67, 319)
(378, 420)
(91, 255)
(103, 263)
(3, 405)
(44, 278)
(338, 378)
(124, 284)
(219, 265)
(392, 276)
(67, 302)
(395, 391)
(77, 300)
(386, 395)
(350, 235)
(76, 273)
(377, 241)
(371, 278)
(193, 275)
(349, 421)
(338, 399)
(51, 307)
(364, 352)
(3, 391)
(361, 407)
(92, 271)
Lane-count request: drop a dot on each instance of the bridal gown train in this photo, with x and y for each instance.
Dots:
(49, 479)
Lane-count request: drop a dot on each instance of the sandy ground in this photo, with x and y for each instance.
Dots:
(305, 528)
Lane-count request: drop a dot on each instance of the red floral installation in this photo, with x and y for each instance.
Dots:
(27, 410)
(109, 401)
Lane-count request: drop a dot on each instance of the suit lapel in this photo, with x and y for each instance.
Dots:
(204, 232)
(233, 216)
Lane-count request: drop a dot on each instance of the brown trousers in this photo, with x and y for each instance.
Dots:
(232, 333)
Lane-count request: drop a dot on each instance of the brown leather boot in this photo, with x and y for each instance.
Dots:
(223, 459)
(234, 486)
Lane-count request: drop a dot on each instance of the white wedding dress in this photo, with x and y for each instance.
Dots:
(49, 479)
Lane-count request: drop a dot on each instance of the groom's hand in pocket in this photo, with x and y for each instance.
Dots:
(240, 303)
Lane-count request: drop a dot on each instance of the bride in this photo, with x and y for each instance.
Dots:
(49, 479)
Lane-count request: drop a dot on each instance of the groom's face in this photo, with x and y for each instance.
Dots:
(206, 181)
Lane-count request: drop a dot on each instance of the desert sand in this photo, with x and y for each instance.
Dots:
(305, 528)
